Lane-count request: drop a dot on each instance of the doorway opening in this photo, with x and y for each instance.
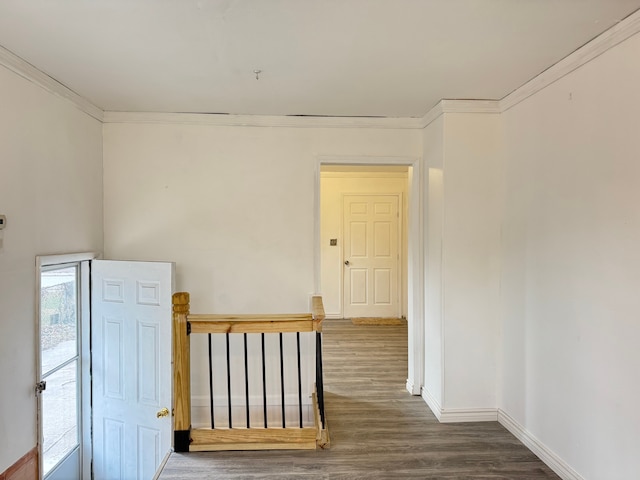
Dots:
(363, 241)
(63, 378)
(330, 267)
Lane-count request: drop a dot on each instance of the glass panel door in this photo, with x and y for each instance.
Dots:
(60, 371)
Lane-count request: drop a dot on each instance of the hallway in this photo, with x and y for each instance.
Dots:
(377, 429)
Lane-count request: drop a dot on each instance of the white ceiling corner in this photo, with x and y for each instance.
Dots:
(31, 73)
(615, 35)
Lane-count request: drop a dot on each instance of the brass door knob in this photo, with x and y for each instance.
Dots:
(163, 413)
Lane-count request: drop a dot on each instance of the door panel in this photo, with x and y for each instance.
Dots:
(358, 235)
(148, 360)
(131, 311)
(149, 455)
(382, 288)
(112, 438)
(112, 360)
(382, 240)
(359, 286)
(371, 254)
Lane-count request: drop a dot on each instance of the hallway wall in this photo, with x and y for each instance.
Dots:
(570, 277)
(473, 202)
(51, 193)
(433, 157)
(464, 160)
(233, 206)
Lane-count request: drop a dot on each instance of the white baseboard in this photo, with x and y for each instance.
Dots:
(545, 454)
(455, 415)
(432, 403)
(412, 388)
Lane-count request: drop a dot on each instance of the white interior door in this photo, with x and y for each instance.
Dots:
(131, 367)
(371, 256)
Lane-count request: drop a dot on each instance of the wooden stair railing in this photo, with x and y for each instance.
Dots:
(187, 438)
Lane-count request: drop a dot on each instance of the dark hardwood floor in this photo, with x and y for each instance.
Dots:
(377, 429)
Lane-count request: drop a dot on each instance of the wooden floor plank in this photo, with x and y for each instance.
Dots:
(377, 429)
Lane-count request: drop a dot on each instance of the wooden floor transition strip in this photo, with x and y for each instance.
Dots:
(378, 321)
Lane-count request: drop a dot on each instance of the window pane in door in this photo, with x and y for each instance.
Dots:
(58, 317)
(59, 415)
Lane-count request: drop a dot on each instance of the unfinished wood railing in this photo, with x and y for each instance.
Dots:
(248, 436)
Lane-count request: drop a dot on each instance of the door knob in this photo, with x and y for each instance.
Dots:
(163, 413)
(346, 262)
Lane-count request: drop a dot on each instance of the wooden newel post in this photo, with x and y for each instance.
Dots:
(181, 373)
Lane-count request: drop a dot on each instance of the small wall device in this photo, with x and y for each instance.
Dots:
(3, 221)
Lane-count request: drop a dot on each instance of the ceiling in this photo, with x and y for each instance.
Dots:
(361, 58)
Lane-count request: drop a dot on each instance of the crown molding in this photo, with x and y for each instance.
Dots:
(443, 106)
(615, 35)
(470, 106)
(27, 71)
(432, 115)
(459, 106)
(261, 120)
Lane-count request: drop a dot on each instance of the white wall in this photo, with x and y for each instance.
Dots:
(463, 153)
(471, 258)
(232, 206)
(571, 266)
(51, 193)
(433, 341)
(333, 186)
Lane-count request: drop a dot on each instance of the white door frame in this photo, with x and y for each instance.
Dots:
(82, 259)
(415, 255)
